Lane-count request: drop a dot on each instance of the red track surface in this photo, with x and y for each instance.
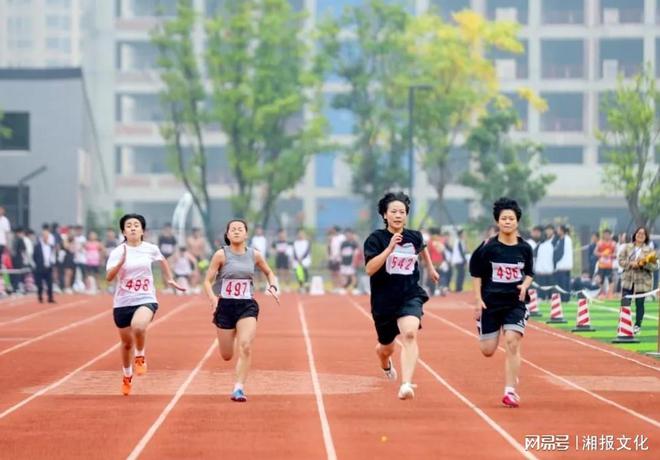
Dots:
(315, 390)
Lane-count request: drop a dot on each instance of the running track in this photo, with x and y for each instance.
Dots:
(315, 390)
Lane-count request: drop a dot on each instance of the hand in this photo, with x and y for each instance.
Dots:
(435, 277)
(123, 257)
(478, 308)
(396, 239)
(213, 300)
(272, 290)
(175, 285)
(523, 292)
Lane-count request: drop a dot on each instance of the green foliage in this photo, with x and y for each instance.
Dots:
(630, 138)
(504, 167)
(4, 131)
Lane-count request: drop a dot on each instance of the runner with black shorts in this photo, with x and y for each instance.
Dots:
(396, 297)
(135, 302)
(230, 288)
(501, 268)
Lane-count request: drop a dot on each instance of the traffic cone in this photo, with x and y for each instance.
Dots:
(556, 312)
(533, 305)
(583, 322)
(316, 286)
(624, 333)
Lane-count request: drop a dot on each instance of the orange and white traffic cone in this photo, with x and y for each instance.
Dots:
(556, 312)
(533, 305)
(625, 333)
(583, 322)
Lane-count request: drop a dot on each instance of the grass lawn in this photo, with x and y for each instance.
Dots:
(605, 318)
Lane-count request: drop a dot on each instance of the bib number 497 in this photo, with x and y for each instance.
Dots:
(236, 289)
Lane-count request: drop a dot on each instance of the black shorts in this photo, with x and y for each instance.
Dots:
(92, 269)
(282, 262)
(605, 273)
(509, 319)
(124, 315)
(230, 311)
(386, 323)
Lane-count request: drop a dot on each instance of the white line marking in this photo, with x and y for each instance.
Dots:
(135, 453)
(560, 378)
(325, 425)
(6, 304)
(570, 338)
(52, 333)
(492, 423)
(20, 319)
(87, 364)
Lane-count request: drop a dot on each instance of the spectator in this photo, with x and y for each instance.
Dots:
(68, 263)
(183, 265)
(260, 243)
(606, 253)
(436, 252)
(19, 260)
(617, 270)
(93, 256)
(282, 249)
(302, 259)
(536, 234)
(458, 260)
(545, 264)
(80, 258)
(348, 250)
(167, 241)
(635, 259)
(335, 239)
(584, 282)
(446, 271)
(5, 228)
(44, 259)
(592, 258)
(564, 255)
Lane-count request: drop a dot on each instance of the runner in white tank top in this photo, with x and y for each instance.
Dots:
(135, 302)
(230, 288)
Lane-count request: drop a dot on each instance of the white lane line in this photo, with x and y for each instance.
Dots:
(584, 343)
(6, 304)
(492, 423)
(325, 425)
(52, 333)
(137, 450)
(84, 366)
(20, 319)
(558, 377)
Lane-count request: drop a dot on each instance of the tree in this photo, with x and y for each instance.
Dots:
(183, 102)
(630, 138)
(266, 96)
(4, 131)
(451, 60)
(504, 167)
(370, 64)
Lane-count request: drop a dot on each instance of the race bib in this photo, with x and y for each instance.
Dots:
(507, 273)
(138, 284)
(400, 263)
(236, 289)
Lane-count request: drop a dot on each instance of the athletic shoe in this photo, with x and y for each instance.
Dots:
(636, 329)
(126, 385)
(407, 391)
(390, 374)
(140, 365)
(511, 399)
(238, 396)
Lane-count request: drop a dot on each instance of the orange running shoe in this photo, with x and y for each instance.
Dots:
(126, 385)
(140, 365)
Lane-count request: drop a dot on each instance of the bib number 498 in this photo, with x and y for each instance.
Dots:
(138, 284)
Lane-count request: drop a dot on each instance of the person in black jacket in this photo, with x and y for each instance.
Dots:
(44, 260)
(18, 260)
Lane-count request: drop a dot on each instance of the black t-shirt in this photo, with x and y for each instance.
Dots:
(167, 245)
(347, 252)
(502, 268)
(398, 278)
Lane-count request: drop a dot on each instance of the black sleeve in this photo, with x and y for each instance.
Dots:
(558, 252)
(419, 244)
(476, 262)
(372, 247)
(529, 260)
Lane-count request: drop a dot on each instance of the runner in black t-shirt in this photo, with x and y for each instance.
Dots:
(396, 296)
(502, 271)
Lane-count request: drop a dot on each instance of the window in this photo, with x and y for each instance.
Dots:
(620, 56)
(341, 121)
(61, 44)
(58, 22)
(604, 97)
(139, 108)
(521, 107)
(511, 66)
(562, 59)
(154, 7)
(563, 12)
(136, 56)
(508, 10)
(622, 11)
(447, 7)
(564, 154)
(324, 169)
(565, 112)
(19, 125)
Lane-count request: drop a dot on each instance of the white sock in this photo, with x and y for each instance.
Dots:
(238, 386)
(509, 390)
(128, 371)
(139, 352)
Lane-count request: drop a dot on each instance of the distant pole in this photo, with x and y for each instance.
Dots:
(411, 145)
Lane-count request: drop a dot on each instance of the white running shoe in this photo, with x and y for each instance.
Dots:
(390, 374)
(407, 390)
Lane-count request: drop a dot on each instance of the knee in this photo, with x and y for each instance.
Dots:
(139, 330)
(245, 347)
(512, 343)
(488, 351)
(226, 356)
(127, 345)
(409, 336)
